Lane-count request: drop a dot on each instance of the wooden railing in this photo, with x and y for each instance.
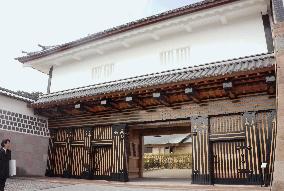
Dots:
(167, 161)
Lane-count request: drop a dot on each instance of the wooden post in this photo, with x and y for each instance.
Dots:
(249, 168)
(120, 153)
(87, 173)
(200, 150)
(49, 79)
(51, 148)
(67, 169)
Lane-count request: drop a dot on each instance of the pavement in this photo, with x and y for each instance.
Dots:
(144, 184)
(168, 173)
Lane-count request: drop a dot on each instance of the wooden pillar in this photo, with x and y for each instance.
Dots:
(50, 155)
(120, 153)
(200, 150)
(87, 173)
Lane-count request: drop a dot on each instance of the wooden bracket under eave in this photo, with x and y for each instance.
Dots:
(193, 94)
(271, 84)
(134, 102)
(107, 103)
(163, 99)
(228, 88)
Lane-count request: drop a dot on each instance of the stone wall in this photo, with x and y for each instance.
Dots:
(21, 123)
(278, 34)
(28, 134)
(29, 151)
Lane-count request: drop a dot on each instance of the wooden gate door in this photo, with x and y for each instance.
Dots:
(229, 162)
(101, 153)
(239, 144)
(101, 161)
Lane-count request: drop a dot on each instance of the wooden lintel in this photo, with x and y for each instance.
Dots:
(164, 131)
(192, 94)
(161, 98)
(228, 88)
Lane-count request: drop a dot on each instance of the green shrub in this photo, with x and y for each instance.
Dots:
(167, 161)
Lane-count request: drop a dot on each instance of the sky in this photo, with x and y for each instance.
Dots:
(26, 23)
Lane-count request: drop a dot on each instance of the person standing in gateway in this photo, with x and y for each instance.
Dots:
(5, 156)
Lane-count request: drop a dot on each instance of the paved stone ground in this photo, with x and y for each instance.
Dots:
(60, 184)
(30, 185)
(168, 173)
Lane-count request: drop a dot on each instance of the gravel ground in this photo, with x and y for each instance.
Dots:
(147, 184)
(30, 185)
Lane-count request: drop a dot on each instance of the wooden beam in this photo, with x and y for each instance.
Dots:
(51, 112)
(161, 98)
(107, 103)
(83, 108)
(65, 111)
(78, 108)
(134, 102)
(164, 131)
(271, 84)
(193, 94)
(228, 88)
(88, 108)
(43, 113)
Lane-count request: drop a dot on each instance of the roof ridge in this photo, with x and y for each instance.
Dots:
(166, 72)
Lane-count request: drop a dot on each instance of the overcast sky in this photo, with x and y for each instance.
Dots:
(26, 23)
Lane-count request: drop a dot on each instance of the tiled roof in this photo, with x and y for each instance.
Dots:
(184, 74)
(15, 95)
(167, 139)
(125, 27)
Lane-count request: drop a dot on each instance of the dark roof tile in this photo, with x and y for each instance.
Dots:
(190, 73)
(16, 95)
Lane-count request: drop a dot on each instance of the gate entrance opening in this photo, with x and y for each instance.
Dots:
(160, 150)
(168, 156)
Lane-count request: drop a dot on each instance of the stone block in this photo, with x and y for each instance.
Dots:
(278, 183)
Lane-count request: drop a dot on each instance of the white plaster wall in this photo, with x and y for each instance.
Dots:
(240, 37)
(17, 106)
